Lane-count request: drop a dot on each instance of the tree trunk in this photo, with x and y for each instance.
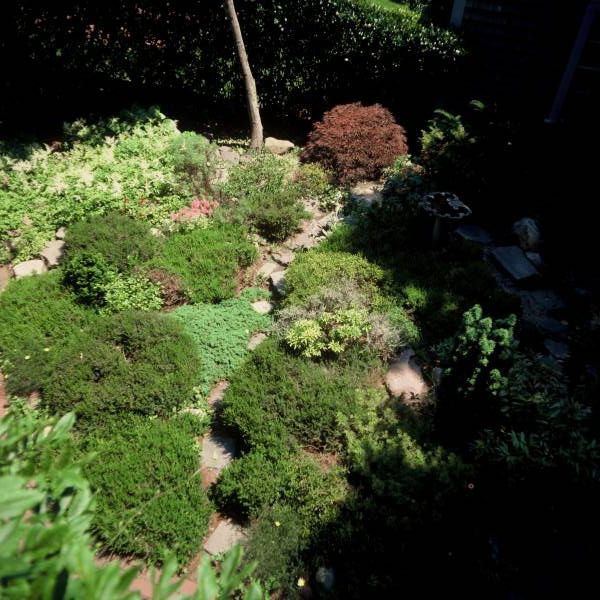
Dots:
(256, 141)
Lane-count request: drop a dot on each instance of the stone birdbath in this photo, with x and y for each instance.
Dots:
(443, 206)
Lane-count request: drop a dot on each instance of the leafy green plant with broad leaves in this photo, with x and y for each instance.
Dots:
(46, 509)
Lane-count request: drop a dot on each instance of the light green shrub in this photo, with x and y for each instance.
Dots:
(130, 292)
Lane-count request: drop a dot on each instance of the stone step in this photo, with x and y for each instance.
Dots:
(217, 451)
(404, 378)
(513, 260)
(262, 307)
(226, 535)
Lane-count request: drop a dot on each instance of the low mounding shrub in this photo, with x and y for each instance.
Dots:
(280, 400)
(356, 142)
(149, 496)
(131, 362)
(338, 318)
(122, 241)
(36, 315)
(261, 479)
(314, 270)
(194, 158)
(207, 260)
(263, 195)
(221, 333)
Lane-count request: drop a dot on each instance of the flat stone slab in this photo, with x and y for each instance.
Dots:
(229, 155)
(474, 233)
(30, 267)
(217, 451)
(267, 269)
(224, 537)
(278, 282)
(256, 340)
(404, 377)
(217, 393)
(283, 257)
(5, 276)
(61, 233)
(262, 307)
(513, 260)
(52, 254)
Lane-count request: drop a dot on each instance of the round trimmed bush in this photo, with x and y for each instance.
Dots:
(149, 496)
(122, 241)
(36, 315)
(356, 142)
(131, 362)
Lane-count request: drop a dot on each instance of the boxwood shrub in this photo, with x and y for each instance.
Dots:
(149, 497)
(130, 362)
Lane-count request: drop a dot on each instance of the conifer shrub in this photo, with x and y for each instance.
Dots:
(148, 492)
(130, 362)
(356, 142)
(36, 315)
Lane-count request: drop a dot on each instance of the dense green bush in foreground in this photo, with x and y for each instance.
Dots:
(46, 549)
(36, 315)
(150, 501)
(131, 362)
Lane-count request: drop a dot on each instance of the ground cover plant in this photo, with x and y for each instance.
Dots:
(150, 501)
(133, 169)
(221, 333)
(130, 362)
(264, 195)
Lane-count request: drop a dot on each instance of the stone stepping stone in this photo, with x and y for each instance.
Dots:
(278, 282)
(283, 257)
(404, 377)
(475, 234)
(5, 276)
(224, 537)
(217, 451)
(256, 340)
(558, 350)
(267, 269)
(61, 233)
(217, 393)
(229, 155)
(30, 267)
(262, 307)
(52, 254)
(275, 146)
(513, 260)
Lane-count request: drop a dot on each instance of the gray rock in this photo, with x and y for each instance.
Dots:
(546, 325)
(217, 451)
(558, 350)
(5, 276)
(52, 254)
(256, 340)
(513, 260)
(528, 233)
(278, 282)
(542, 301)
(224, 537)
(535, 258)
(325, 577)
(262, 307)
(267, 269)
(61, 233)
(275, 146)
(366, 193)
(474, 233)
(229, 155)
(404, 377)
(283, 257)
(30, 267)
(436, 375)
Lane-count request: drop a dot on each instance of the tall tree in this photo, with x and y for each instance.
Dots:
(256, 141)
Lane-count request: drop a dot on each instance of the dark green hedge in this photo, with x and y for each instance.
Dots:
(312, 53)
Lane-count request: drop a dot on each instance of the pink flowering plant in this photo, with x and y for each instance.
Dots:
(196, 213)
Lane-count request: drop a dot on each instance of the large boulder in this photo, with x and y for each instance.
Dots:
(275, 146)
(528, 234)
